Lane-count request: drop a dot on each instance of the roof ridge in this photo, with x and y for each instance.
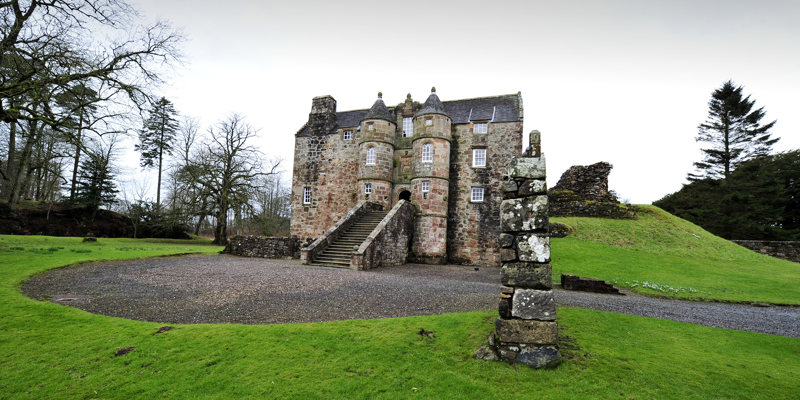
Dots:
(485, 97)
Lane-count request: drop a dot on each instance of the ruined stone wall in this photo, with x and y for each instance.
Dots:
(779, 249)
(473, 228)
(328, 164)
(263, 247)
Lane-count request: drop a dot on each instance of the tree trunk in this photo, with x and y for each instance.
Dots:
(221, 229)
(11, 161)
(16, 185)
(77, 159)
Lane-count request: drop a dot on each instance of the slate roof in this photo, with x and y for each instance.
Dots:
(432, 105)
(505, 108)
(379, 111)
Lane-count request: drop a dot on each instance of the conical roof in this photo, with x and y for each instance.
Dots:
(432, 105)
(379, 111)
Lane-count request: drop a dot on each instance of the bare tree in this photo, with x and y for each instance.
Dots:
(228, 167)
(50, 47)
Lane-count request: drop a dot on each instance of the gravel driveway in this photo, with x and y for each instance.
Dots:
(221, 288)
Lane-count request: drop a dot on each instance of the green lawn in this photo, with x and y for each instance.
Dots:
(56, 352)
(664, 255)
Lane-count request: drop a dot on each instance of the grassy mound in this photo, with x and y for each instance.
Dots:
(664, 255)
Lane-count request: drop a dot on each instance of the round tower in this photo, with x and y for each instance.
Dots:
(376, 155)
(430, 180)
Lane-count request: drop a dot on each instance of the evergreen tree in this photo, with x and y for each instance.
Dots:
(156, 138)
(95, 184)
(734, 131)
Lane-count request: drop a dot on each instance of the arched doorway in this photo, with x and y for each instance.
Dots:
(405, 195)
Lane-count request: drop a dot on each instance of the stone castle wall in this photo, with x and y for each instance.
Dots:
(779, 249)
(329, 165)
(473, 228)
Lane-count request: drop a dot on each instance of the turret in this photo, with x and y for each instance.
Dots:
(430, 181)
(376, 154)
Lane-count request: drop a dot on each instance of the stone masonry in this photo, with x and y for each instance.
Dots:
(526, 331)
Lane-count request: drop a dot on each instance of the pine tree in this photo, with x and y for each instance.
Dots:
(734, 131)
(156, 138)
(95, 185)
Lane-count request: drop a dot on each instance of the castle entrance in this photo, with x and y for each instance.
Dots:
(405, 195)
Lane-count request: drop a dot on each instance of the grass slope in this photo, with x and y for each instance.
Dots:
(662, 254)
(57, 352)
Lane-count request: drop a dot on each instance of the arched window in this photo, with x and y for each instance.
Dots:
(427, 153)
(370, 155)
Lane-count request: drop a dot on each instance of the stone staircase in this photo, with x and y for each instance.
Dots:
(339, 253)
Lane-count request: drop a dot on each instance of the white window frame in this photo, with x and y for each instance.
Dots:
(480, 127)
(428, 122)
(479, 158)
(427, 153)
(348, 135)
(426, 186)
(408, 126)
(477, 195)
(371, 157)
(306, 195)
(367, 188)
(370, 126)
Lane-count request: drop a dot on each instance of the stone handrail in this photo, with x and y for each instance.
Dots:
(387, 244)
(316, 247)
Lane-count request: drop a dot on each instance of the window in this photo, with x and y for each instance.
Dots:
(477, 195)
(306, 195)
(348, 135)
(370, 155)
(408, 127)
(480, 127)
(426, 186)
(367, 188)
(428, 122)
(427, 153)
(478, 157)
(370, 127)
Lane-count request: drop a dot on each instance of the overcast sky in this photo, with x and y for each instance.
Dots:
(625, 82)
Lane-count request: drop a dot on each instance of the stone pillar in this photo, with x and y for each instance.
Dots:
(526, 331)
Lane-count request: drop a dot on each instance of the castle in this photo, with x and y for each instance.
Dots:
(447, 158)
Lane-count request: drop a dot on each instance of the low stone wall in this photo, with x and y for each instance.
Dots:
(785, 250)
(388, 243)
(263, 247)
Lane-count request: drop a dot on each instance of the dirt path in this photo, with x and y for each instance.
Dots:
(215, 288)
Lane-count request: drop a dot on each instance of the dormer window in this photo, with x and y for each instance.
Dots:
(427, 153)
(370, 155)
(480, 127)
(408, 127)
(348, 135)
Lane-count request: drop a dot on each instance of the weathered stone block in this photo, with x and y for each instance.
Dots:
(506, 240)
(510, 186)
(506, 290)
(527, 275)
(527, 167)
(534, 304)
(504, 308)
(539, 356)
(524, 214)
(533, 247)
(533, 186)
(508, 255)
(526, 331)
